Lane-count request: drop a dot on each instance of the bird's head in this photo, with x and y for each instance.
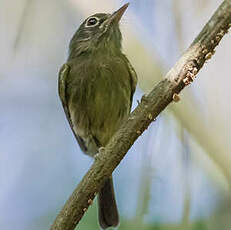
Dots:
(98, 31)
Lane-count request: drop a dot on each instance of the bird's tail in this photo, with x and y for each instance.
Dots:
(107, 208)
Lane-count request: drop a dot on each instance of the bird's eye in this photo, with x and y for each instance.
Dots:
(92, 22)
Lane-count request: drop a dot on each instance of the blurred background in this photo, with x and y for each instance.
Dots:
(176, 176)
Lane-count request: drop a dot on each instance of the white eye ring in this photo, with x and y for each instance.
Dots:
(92, 21)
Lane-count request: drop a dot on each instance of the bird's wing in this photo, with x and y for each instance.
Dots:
(133, 77)
(63, 74)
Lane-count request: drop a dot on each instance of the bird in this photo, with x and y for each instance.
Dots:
(96, 87)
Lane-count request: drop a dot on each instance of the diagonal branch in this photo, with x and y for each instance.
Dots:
(149, 108)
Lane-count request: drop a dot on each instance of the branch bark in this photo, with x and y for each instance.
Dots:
(151, 105)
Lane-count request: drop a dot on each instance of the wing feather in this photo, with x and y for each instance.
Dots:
(133, 77)
(63, 74)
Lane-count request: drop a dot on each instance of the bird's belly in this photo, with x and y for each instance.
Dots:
(98, 111)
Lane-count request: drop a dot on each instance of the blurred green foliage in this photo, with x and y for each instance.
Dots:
(89, 222)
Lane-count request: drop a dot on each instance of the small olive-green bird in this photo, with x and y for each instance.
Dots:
(96, 87)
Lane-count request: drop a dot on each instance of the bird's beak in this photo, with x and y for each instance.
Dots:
(117, 15)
